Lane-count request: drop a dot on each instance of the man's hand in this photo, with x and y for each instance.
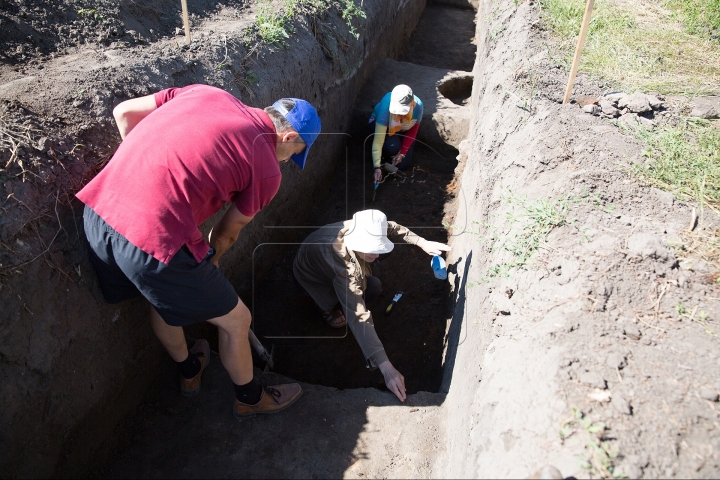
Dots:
(397, 159)
(433, 248)
(377, 177)
(129, 113)
(394, 381)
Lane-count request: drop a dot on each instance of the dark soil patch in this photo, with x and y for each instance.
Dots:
(444, 38)
(31, 29)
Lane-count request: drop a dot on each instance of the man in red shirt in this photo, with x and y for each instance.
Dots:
(186, 152)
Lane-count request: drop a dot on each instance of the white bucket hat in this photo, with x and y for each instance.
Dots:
(401, 100)
(368, 233)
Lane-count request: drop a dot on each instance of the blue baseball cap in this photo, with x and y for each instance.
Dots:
(305, 121)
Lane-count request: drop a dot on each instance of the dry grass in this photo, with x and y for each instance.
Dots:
(703, 244)
(637, 45)
(13, 135)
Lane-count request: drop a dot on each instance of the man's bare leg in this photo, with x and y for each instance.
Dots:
(172, 338)
(233, 343)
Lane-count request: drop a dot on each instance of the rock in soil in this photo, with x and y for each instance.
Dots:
(621, 405)
(709, 394)
(593, 379)
(706, 107)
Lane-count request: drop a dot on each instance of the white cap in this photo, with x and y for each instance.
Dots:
(368, 233)
(401, 100)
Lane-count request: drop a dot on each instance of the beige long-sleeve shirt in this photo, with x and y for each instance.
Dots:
(330, 272)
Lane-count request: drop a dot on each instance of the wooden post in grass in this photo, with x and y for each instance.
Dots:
(186, 21)
(578, 49)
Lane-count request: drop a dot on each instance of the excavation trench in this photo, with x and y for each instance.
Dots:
(414, 334)
(305, 349)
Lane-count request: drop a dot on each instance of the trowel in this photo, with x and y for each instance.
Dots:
(395, 299)
(377, 184)
(262, 352)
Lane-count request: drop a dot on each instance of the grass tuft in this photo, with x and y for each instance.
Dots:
(700, 17)
(637, 45)
(683, 159)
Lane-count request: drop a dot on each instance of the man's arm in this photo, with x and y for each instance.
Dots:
(226, 231)
(129, 113)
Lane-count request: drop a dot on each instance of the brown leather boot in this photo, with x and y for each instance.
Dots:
(272, 400)
(191, 386)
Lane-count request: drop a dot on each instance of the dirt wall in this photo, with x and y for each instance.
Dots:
(583, 343)
(70, 365)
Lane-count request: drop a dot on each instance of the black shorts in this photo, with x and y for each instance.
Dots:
(183, 292)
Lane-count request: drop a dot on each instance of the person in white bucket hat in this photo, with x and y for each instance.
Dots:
(333, 267)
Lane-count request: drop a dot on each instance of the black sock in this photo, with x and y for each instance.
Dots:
(189, 367)
(249, 393)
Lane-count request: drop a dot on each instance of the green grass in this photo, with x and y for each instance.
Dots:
(273, 21)
(685, 160)
(636, 45)
(529, 223)
(700, 17)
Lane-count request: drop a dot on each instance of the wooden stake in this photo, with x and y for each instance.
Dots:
(186, 21)
(578, 49)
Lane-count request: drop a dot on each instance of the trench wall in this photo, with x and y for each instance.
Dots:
(502, 408)
(72, 366)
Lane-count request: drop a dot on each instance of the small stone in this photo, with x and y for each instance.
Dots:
(635, 103)
(592, 109)
(608, 108)
(616, 360)
(630, 120)
(593, 379)
(621, 405)
(632, 332)
(615, 97)
(646, 122)
(601, 396)
(655, 103)
(706, 107)
(709, 394)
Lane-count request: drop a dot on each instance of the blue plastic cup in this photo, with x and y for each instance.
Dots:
(439, 268)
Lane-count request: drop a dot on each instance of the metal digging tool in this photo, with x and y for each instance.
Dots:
(262, 352)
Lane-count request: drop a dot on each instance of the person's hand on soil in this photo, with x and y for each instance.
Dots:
(397, 159)
(433, 248)
(393, 379)
(378, 175)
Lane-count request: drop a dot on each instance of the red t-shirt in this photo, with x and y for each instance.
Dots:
(201, 148)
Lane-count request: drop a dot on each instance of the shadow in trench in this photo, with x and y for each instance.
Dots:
(453, 335)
